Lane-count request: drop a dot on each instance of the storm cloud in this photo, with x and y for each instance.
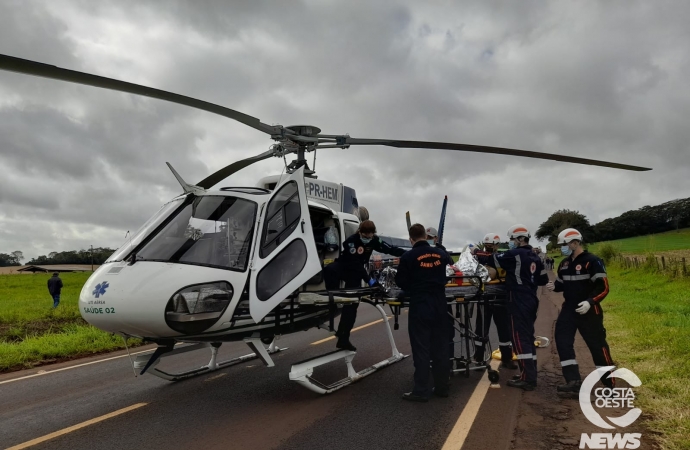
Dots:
(82, 166)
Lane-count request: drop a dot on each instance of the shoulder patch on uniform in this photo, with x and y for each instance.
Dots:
(533, 267)
(360, 250)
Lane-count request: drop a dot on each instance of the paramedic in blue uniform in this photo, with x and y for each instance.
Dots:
(498, 312)
(350, 268)
(422, 276)
(581, 276)
(432, 239)
(524, 272)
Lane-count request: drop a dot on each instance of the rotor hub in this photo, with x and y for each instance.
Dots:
(305, 130)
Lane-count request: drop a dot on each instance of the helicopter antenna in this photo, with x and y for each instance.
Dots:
(313, 165)
(185, 186)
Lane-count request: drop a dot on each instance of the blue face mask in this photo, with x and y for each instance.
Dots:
(566, 250)
(431, 242)
(365, 240)
(512, 245)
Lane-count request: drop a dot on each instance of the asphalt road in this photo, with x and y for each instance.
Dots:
(249, 405)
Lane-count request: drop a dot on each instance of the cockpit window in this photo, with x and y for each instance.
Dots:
(132, 241)
(209, 230)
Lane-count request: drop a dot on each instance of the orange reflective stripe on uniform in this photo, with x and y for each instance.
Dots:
(606, 291)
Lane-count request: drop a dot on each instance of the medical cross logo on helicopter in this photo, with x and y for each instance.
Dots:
(239, 263)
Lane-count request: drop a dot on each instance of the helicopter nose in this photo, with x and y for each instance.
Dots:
(112, 301)
(158, 300)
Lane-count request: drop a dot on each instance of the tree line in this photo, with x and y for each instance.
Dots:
(668, 216)
(99, 255)
(11, 259)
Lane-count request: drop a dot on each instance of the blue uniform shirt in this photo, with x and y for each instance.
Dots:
(524, 269)
(358, 253)
(422, 271)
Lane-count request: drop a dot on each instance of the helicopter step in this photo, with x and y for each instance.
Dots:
(302, 371)
(148, 362)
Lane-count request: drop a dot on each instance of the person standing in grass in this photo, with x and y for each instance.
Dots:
(55, 287)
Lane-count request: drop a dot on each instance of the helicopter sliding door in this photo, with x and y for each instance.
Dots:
(285, 255)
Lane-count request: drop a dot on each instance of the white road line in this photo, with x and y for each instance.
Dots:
(71, 367)
(353, 330)
(50, 436)
(462, 427)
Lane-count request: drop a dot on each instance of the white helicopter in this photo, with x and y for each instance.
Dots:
(238, 263)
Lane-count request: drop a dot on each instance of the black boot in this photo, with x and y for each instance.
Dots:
(345, 344)
(442, 392)
(572, 386)
(510, 365)
(524, 385)
(479, 355)
(410, 397)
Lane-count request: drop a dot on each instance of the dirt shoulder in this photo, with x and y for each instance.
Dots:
(546, 421)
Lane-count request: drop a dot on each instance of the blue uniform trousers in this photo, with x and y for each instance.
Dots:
(523, 313)
(591, 328)
(352, 274)
(483, 324)
(428, 328)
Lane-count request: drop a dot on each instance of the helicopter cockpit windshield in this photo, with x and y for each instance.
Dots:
(213, 231)
(135, 239)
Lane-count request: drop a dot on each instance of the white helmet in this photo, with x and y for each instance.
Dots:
(492, 238)
(568, 235)
(518, 230)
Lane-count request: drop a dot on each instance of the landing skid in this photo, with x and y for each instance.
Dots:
(301, 372)
(260, 352)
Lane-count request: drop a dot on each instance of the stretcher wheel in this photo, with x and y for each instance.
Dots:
(493, 376)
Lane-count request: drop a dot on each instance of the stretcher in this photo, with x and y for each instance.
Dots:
(466, 297)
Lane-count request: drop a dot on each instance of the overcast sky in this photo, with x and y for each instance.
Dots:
(81, 166)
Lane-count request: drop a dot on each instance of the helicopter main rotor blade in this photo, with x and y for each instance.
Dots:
(25, 66)
(228, 170)
(484, 149)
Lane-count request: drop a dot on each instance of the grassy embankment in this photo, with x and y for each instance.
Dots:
(33, 333)
(647, 318)
(671, 242)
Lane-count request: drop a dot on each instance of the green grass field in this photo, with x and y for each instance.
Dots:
(647, 317)
(33, 333)
(662, 242)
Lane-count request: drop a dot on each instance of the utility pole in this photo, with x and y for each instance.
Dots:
(92, 258)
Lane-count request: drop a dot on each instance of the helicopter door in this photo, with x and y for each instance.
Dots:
(285, 255)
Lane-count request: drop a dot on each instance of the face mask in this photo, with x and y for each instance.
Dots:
(512, 245)
(365, 240)
(566, 250)
(431, 242)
